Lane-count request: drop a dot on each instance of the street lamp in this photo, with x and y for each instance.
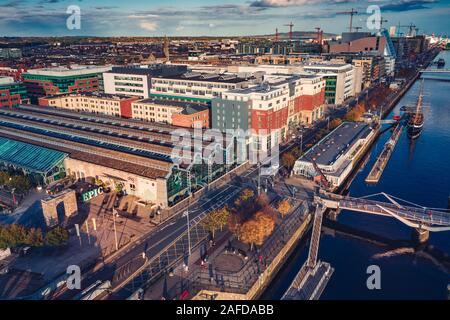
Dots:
(186, 214)
(115, 229)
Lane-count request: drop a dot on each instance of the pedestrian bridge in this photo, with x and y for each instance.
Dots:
(411, 214)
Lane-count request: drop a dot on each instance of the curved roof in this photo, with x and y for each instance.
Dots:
(28, 156)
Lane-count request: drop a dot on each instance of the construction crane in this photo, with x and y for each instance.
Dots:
(319, 35)
(290, 25)
(382, 20)
(351, 13)
(324, 183)
(411, 27)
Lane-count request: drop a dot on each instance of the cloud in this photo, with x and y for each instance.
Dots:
(149, 26)
(292, 3)
(408, 5)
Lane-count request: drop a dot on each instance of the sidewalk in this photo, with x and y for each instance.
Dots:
(175, 285)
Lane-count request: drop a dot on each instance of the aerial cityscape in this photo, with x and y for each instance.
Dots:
(265, 150)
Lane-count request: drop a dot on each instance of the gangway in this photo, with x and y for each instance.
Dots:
(314, 275)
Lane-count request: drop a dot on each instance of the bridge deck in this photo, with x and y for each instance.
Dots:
(418, 217)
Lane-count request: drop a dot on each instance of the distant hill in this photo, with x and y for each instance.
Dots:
(297, 35)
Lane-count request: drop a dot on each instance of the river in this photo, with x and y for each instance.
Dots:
(418, 171)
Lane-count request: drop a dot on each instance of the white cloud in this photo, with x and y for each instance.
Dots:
(149, 26)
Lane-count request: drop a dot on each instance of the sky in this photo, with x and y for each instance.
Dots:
(212, 17)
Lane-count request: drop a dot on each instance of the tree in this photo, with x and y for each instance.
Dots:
(256, 230)
(335, 123)
(57, 237)
(288, 160)
(249, 233)
(215, 219)
(284, 207)
(35, 238)
(245, 195)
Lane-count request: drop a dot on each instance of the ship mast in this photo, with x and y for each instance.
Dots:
(420, 99)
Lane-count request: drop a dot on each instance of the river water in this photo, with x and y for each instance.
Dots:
(418, 171)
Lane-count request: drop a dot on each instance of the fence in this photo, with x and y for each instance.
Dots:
(251, 279)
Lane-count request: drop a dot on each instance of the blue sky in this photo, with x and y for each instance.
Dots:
(210, 17)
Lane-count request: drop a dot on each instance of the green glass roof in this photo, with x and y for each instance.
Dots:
(30, 157)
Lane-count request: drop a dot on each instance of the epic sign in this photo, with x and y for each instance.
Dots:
(92, 194)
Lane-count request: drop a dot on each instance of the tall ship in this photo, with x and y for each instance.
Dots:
(416, 118)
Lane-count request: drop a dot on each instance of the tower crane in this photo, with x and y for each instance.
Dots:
(351, 13)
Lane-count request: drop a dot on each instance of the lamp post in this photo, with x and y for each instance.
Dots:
(186, 214)
(115, 229)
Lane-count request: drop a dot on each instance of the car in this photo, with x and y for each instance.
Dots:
(105, 200)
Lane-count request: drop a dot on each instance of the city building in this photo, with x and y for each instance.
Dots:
(137, 80)
(10, 53)
(16, 73)
(193, 86)
(337, 154)
(358, 42)
(272, 109)
(12, 93)
(51, 81)
(340, 80)
(174, 112)
(100, 103)
(410, 47)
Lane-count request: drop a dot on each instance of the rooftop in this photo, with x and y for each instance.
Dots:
(207, 77)
(75, 70)
(328, 66)
(28, 156)
(86, 94)
(330, 148)
(6, 80)
(174, 103)
(151, 70)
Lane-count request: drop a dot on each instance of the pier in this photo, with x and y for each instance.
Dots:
(379, 166)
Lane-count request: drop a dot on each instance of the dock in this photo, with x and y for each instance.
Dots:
(383, 159)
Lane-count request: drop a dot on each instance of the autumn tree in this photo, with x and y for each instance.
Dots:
(35, 238)
(257, 229)
(288, 160)
(215, 219)
(245, 195)
(335, 123)
(284, 207)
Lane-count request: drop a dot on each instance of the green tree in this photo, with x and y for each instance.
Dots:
(57, 237)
